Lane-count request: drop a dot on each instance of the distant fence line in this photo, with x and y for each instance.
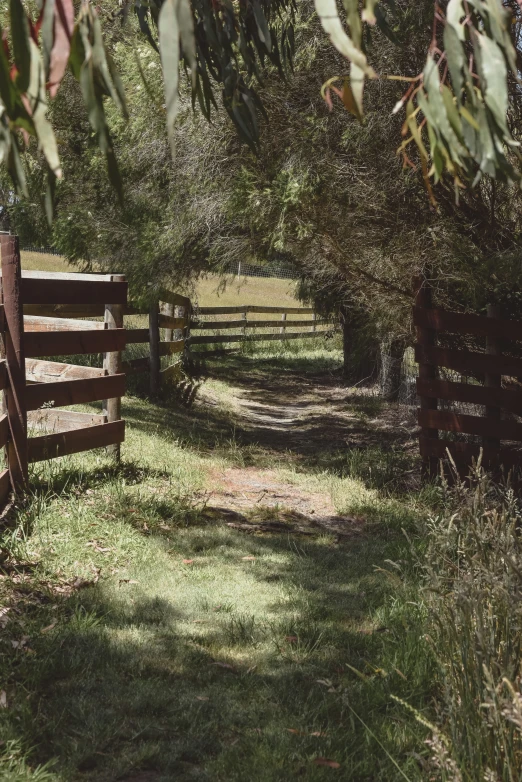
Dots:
(44, 250)
(283, 271)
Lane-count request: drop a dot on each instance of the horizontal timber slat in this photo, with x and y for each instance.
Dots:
(509, 399)
(5, 485)
(465, 452)
(31, 274)
(286, 310)
(253, 324)
(73, 392)
(469, 424)
(45, 291)
(39, 323)
(38, 275)
(464, 361)
(169, 348)
(254, 308)
(222, 310)
(133, 308)
(59, 343)
(166, 322)
(173, 298)
(135, 336)
(464, 323)
(209, 340)
(64, 443)
(62, 420)
(37, 371)
(223, 324)
(65, 310)
(4, 430)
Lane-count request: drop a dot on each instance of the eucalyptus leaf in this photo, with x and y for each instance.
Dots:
(170, 55)
(20, 39)
(38, 102)
(332, 25)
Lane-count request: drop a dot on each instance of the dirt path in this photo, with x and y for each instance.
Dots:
(301, 420)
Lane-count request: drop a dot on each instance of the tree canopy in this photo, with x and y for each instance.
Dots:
(457, 109)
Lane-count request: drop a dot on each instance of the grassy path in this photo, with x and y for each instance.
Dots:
(223, 605)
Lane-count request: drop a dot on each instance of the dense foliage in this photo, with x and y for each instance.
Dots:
(457, 103)
(324, 190)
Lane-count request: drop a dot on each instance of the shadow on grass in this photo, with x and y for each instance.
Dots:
(204, 652)
(184, 684)
(309, 421)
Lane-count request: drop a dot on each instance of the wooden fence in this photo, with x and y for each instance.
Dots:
(170, 313)
(33, 386)
(485, 379)
(185, 327)
(47, 314)
(278, 327)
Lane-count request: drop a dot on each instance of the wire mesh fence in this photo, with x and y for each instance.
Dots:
(283, 271)
(29, 248)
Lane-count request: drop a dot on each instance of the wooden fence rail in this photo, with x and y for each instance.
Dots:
(490, 372)
(40, 316)
(255, 330)
(53, 314)
(58, 327)
(173, 317)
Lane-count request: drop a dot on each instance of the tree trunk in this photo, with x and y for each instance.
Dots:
(392, 354)
(360, 353)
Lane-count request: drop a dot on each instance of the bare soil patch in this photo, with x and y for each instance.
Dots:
(311, 420)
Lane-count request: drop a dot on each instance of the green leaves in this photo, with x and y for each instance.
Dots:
(38, 103)
(224, 45)
(219, 43)
(20, 39)
(457, 107)
(97, 76)
(36, 67)
(467, 118)
(332, 25)
(350, 47)
(169, 50)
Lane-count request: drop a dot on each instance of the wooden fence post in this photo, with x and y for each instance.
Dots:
(112, 363)
(493, 348)
(244, 318)
(169, 309)
(15, 357)
(154, 338)
(426, 338)
(187, 314)
(314, 318)
(283, 319)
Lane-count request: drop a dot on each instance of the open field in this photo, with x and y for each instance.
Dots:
(210, 291)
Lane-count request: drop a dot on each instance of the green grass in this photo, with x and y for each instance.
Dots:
(188, 649)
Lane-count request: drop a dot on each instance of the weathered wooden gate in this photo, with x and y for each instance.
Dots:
(33, 386)
(483, 382)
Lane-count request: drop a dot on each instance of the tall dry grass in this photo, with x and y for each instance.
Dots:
(473, 575)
